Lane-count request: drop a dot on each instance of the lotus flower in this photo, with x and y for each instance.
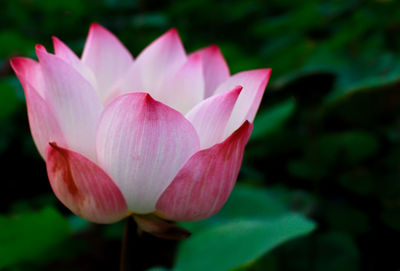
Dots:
(162, 134)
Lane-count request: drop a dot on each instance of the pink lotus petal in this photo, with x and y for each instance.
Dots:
(205, 182)
(211, 116)
(44, 127)
(142, 144)
(107, 57)
(31, 72)
(215, 68)
(84, 187)
(253, 83)
(186, 88)
(158, 61)
(63, 51)
(73, 101)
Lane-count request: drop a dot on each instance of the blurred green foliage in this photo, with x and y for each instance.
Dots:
(325, 143)
(31, 236)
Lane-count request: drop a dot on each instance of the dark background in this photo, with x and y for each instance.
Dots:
(326, 139)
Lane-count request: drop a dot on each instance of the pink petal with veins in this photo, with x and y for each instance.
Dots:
(205, 182)
(211, 116)
(73, 102)
(44, 127)
(157, 62)
(186, 88)
(215, 68)
(63, 51)
(84, 187)
(107, 57)
(253, 83)
(142, 144)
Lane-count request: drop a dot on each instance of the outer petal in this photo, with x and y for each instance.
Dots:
(142, 144)
(211, 116)
(44, 127)
(215, 68)
(205, 182)
(29, 71)
(160, 60)
(74, 102)
(254, 83)
(63, 51)
(106, 56)
(186, 88)
(84, 187)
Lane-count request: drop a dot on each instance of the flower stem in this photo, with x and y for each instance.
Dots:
(149, 241)
(125, 264)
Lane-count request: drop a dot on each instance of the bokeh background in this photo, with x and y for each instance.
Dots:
(319, 188)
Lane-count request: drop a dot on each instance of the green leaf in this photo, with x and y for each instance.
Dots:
(244, 202)
(243, 241)
(386, 73)
(257, 217)
(272, 119)
(252, 202)
(30, 236)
